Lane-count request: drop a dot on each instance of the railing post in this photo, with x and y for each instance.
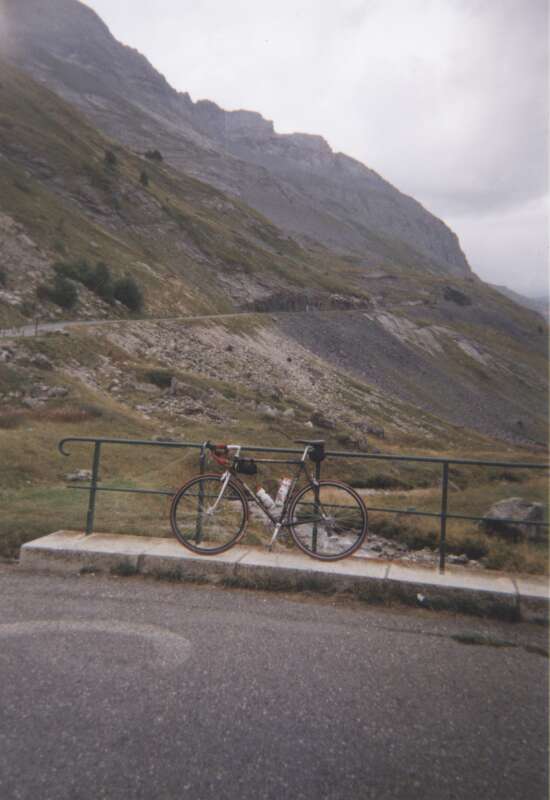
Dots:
(315, 505)
(202, 463)
(93, 490)
(443, 529)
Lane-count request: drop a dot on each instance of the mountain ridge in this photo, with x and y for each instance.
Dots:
(294, 179)
(407, 341)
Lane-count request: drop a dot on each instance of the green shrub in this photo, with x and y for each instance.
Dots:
(160, 377)
(22, 185)
(101, 282)
(110, 159)
(127, 291)
(154, 155)
(97, 279)
(509, 476)
(62, 292)
(144, 178)
(3, 277)
(75, 270)
(379, 481)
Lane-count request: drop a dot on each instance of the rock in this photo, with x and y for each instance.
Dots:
(57, 391)
(514, 508)
(367, 426)
(309, 424)
(146, 388)
(461, 559)
(79, 475)
(455, 296)
(266, 410)
(39, 390)
(32, 402)
(320, 421)
(6, 354)
(176, 387)
(41, 361)
(288, 413)
(190, 410)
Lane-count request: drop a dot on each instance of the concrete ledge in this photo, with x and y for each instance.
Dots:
(458, 589)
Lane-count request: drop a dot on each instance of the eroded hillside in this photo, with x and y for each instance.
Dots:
(449, 346)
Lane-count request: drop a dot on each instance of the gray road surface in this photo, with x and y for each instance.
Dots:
(131, 688)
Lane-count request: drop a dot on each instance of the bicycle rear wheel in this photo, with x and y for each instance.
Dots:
(329, 521)
(204, 524)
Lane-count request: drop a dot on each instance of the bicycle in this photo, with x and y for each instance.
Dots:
(326, 519)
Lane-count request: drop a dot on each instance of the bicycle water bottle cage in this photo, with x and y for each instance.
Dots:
(246, 466)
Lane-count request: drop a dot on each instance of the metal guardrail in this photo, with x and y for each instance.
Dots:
(443, 515)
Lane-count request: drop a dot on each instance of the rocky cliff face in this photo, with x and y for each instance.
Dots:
(295, 180)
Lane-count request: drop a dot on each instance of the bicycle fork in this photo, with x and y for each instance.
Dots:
(225, 480)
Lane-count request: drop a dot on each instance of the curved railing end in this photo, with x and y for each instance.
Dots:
(61, 445)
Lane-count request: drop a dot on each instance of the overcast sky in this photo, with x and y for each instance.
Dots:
(446, 99)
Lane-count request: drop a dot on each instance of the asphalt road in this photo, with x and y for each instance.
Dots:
(131, 688)
(50, 327)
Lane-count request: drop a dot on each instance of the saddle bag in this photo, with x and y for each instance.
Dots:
(317, 453)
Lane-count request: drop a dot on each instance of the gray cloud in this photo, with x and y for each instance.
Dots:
(447, 99)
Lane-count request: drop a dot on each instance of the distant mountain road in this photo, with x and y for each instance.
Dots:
(61, 325)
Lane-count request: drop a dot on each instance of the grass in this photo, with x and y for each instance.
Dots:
(484, 640)
(30, 438)
(474, 499)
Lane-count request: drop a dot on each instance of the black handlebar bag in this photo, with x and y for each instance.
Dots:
(246, 466)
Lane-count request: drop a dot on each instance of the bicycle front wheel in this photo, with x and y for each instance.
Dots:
(205, 522)
(328, 521)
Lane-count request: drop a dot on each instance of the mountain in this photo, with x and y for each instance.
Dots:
(540, 304)
(385, 340)
(67, 193)
(406, 352)
(294, 180)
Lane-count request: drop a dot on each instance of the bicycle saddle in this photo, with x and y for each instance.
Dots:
(317, 452)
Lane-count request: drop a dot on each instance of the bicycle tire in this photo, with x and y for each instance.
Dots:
(208, 533)
(336, 535)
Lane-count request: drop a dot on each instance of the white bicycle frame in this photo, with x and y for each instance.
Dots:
(227, 475)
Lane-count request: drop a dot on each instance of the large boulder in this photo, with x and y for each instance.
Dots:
(514, 508)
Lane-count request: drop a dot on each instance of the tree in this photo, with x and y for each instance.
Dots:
(62, 292)
(102, 283)
(110, 159)
(154, 155)
(127, 291)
